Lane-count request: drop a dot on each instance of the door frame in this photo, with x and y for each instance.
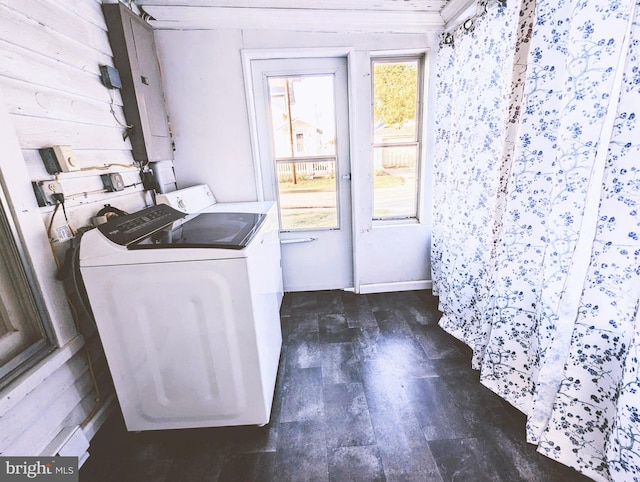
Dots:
(249, 55)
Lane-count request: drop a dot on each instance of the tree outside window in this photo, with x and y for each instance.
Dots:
(396, 140)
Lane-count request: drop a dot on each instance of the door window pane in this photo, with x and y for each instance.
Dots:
(304, 142)
(396, 128)
(303, 116)
(307, 192)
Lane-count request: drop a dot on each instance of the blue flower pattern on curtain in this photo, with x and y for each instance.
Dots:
(467, 174)
(536, 237)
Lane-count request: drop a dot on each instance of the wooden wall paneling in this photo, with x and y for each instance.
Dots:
(106, 405)
(33, 68)
(37, 132)
(80, 210)
(44, 102)
(81, 190)
(76, 385)
(97, 157)
(54, 16)
(31, 35)
(62, 399)
(16, 394)
(86, 158)
(34, 133)
(19, 421)
(90, 10)
(88, 403)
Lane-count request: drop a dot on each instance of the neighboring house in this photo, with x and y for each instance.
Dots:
(306, 139)
(396, 157)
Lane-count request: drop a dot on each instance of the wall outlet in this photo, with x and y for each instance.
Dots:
(59, 159)
(66, 158)
(45, 191)
(49, 160)
(112, 182)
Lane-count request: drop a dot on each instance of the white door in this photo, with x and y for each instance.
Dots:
(303, 142)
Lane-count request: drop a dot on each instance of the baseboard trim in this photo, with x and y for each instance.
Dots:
(395, 286)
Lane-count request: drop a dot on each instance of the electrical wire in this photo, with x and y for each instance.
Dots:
(74, 279)
(127, 127)
(98, 191)
(55, 211)
(94, 381)
(75, 253)
(113, 112)
(76, 317)
(64, 212)
(108, 166)
(86, 193)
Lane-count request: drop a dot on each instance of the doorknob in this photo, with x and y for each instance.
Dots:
(347, 177)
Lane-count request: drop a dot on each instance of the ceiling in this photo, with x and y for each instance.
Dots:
(384, 5)
(400, 16)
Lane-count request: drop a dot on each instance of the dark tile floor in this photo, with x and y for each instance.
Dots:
(369, 389)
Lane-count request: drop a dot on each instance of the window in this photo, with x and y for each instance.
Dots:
(396, 136)
(300, 142)
(23, 338)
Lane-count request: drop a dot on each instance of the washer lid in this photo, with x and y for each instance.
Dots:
(208, 230)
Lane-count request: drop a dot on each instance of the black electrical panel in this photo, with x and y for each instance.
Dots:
(135, 58)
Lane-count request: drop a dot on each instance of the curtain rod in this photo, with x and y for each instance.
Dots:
(469, 23)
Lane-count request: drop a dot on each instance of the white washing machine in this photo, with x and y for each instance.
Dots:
(187, 308)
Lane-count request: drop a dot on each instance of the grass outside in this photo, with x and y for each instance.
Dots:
(309, 219)
(299, 217)
(380, 180)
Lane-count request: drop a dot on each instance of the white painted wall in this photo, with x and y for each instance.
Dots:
(205, 92)
(202, 77)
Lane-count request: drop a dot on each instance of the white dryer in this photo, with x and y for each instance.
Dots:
(187, 308)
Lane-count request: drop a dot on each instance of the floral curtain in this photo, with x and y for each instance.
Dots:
(469, 164)
(536, 248)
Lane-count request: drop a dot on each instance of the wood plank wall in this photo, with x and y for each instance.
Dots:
(50, 53)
